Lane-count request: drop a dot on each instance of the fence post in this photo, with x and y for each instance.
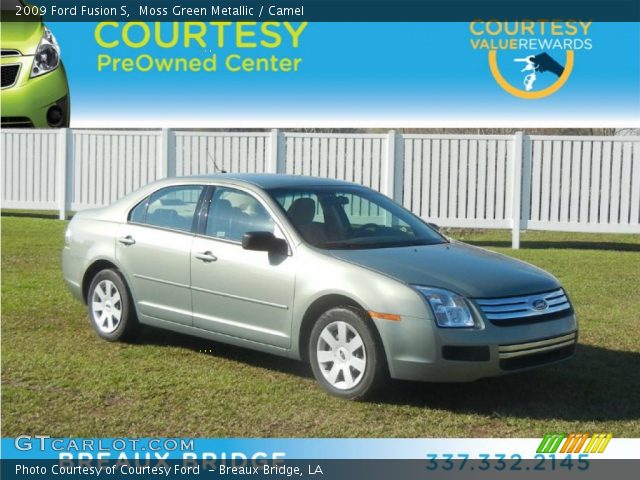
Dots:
(167, 166)
(392, 166)
(516, 189)
(398, 170)
(525, 209)
(276, 160)
(282, 153)
(64, 174)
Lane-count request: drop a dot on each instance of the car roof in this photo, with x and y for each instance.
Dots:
(271, 180)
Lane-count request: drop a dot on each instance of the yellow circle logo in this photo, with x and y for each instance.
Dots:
(527, 95)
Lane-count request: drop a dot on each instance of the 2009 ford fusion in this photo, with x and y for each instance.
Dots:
(321, 270)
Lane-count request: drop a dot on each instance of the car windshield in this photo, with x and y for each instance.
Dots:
(352, 217)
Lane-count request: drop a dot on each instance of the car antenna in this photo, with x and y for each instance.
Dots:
(216, 169)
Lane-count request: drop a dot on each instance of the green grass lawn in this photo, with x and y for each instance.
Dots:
(59, 379)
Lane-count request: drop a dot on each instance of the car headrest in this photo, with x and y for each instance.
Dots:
(222, 206)
(302, 211)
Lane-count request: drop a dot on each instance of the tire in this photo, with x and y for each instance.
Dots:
(108, 298)
(346, 355)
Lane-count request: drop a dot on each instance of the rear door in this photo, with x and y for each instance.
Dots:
(237, 292)
(154, 249)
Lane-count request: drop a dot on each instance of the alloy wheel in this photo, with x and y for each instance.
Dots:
(106, 306)
(341, 355)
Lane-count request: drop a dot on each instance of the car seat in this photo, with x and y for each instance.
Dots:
(219, 220)
(302, 212)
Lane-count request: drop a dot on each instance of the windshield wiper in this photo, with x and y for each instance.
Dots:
(416, 243)
(343, 245)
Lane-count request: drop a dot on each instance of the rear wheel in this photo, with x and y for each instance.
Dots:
(346, 357)
(110, 307)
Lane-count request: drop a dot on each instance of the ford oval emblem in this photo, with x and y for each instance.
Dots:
(539, 305)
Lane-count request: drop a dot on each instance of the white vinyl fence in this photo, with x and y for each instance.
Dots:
(519, 182)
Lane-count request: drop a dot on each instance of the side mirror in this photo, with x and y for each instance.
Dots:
(434, 226)
(264, 242)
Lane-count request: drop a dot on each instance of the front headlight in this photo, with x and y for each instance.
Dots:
(47, 57)
(450, 309)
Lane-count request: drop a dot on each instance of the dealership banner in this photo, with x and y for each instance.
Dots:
(221, 64)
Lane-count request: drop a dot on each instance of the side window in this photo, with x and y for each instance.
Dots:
(139, 211)
(172, 207)
(232, 213)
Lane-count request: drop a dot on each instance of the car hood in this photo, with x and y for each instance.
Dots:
(21, 36)
(468, 270)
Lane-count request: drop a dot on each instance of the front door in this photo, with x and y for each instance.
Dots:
(237, 292)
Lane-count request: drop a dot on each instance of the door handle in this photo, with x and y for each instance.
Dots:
(128, 240)
(206, 256)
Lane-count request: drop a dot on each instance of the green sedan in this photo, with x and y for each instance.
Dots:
(35, 92)
(320, 270)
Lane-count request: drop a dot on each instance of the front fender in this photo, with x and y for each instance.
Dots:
(373, 291)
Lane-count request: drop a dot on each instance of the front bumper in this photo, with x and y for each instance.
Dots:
(418, 350)
(28, 101)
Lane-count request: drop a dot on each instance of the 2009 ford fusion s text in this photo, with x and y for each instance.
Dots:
(321, 270)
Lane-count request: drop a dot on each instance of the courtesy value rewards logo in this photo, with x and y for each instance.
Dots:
(530, 59)
(574, 443)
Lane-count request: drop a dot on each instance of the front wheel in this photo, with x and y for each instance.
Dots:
(111, 310)
(346, 357)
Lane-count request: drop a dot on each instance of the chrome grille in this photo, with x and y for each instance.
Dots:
(10, 53)
(537, 346)
(538, 352)
(501, 310)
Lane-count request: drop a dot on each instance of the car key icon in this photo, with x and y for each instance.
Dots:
(529, 67)
(529, 80)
